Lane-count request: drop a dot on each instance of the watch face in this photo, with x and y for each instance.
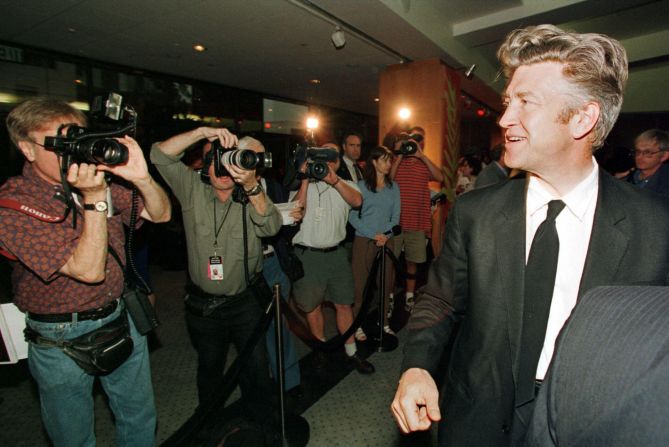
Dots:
(101, 206)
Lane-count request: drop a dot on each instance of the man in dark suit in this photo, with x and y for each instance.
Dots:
(608, 382)
(495, 172)
(563, 95)
(351, 150)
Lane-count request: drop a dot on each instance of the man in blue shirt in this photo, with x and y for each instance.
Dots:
(651, 151)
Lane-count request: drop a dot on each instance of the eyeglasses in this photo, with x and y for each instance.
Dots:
(35, 142)
(644, 153)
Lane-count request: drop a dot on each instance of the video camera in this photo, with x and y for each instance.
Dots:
(409, 147)
(242, 158)
(317, 159)
(78, 144)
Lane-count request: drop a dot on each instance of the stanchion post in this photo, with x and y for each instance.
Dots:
(384, 342)
(281, 373)
(382, 296)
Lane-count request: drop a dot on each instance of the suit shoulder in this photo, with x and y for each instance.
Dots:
(498, 193)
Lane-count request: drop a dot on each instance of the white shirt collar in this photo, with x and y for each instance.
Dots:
(576, 200)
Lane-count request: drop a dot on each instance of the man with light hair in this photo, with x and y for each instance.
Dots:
(651, 151)
(568, 227)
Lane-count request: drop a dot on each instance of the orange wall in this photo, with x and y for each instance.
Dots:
(431, 91)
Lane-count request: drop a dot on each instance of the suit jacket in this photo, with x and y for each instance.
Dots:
(608, 382)
(345, 174)
(478, 280)
(490, 175)
(343, 171)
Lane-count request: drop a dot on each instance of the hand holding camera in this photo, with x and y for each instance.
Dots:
(88, 180)
(134, 169)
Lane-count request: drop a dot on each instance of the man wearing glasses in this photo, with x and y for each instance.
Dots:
(651, 151)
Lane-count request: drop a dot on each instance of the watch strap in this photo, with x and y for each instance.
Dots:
(254, 191)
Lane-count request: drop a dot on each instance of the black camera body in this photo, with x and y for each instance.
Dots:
(242, 158)
(409, 144)
(78, 144)
(81, 146)
(317, 159)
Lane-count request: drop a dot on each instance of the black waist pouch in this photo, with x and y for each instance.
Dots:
(98, 352)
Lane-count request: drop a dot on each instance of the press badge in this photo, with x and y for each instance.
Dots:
(215, 268)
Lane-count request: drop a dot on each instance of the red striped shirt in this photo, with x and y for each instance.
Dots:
(413, 177)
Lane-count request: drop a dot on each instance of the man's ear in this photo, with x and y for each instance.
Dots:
(28, 150)
(584, 120)
(665, 156)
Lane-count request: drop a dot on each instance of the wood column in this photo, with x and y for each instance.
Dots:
(431, 90)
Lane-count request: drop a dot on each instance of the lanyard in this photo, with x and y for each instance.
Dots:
(218, 230)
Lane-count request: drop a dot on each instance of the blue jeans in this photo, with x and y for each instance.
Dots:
(273, 274)
(66, 391)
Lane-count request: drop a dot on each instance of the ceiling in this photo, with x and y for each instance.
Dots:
(278, 46)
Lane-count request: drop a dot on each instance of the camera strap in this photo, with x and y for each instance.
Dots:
(29, 211)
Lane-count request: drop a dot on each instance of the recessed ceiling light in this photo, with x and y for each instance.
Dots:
(314, 81)
(78, 81)
(199, 48)
(376, 99)
(71, 30)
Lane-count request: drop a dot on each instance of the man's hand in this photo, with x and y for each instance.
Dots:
(416, 403)
(332, 178)
(297, 213)
(89, 180)
(381, 239)
(135, 169)
(226, 138)
(244, 177)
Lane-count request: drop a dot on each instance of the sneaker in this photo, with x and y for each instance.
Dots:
(409, 303)
(360, 335)
(387, 330)
(362, 365)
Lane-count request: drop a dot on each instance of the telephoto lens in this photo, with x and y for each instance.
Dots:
(106, 151)
(246, 159)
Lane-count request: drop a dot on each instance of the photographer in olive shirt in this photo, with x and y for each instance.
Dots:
(222, 305)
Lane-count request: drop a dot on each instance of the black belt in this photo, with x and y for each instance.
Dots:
(194, 290)
(320, 250)
(93, 314)
(268, 255)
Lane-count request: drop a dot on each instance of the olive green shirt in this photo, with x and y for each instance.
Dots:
(197, 201)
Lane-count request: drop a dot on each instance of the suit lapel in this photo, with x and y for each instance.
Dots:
(608, 240)
(510, 251)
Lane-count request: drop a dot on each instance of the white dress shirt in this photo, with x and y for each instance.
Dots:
(574, 226)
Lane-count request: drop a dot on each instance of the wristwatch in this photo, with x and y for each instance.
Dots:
(100, 206)
(254, 191)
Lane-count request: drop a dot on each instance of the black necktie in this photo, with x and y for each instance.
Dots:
(539, 283)
(358, 173)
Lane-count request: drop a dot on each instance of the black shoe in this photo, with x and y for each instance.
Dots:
(362, 365)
